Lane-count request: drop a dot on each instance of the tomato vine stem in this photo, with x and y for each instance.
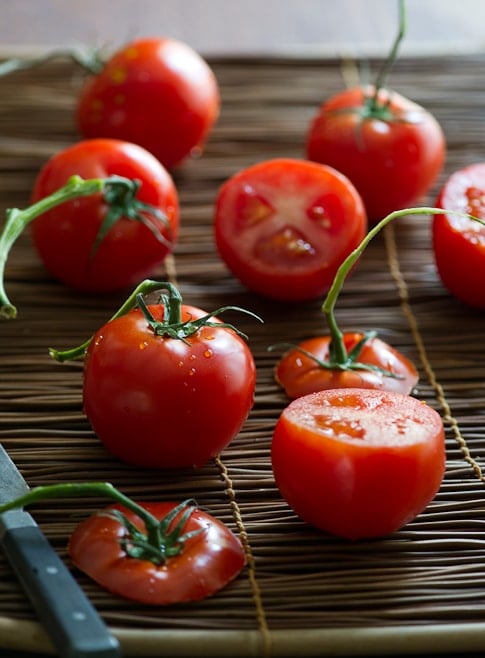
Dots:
(373, 105)
(338, 350)
(170, 326)
(161, 539)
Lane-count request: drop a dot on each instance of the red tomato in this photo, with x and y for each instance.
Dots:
(300, 374)
(358, 462)
(167, 402)
(158, 93)
(284, 226)
(393, 154)
(207, 562)
(459, 242)
(64, 236)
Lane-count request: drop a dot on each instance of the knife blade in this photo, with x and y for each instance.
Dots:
(74, 626)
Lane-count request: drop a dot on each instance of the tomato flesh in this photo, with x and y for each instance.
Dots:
(392, 161)
(358, 462)
(208, 561)
(130, 252)
(459, 242)
(284, 226)
(158, 93)
(164, 402)
(300, 375)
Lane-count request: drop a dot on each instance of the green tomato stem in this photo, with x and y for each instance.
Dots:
(328, 307)
(144, 288)
(373, 102)
(160, 540)
(76, 490)
(17, 220)
(90, 61)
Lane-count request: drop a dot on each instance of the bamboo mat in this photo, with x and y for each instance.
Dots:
(303, 593)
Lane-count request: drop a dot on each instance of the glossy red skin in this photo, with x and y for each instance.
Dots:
(284, 226)
(164, 402)
(392, 165)
(64, 236)
(209, 561)
(299, 375)
(458, 242)
(158, 93)
(358, 462)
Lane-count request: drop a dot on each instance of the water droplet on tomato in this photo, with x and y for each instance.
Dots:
(143, 345)
(208, 353)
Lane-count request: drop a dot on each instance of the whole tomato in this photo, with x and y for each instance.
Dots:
(308, 366)
(156, 92)
(283, 227)
(459, 242)
(167, 385)
(358, 462)
(389, 147)
(98, 245)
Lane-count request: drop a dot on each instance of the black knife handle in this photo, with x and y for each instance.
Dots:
(72, 623)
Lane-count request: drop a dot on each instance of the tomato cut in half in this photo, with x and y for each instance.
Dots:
(284, 226)
(459, 242)
(306, 368)
(391, 148)
(358, 462)
(209, 559)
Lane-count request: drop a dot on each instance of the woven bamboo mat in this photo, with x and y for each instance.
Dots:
(303, 593)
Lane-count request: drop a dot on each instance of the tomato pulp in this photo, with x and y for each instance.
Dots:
(358, 462)
(284, 226)
(459, 242)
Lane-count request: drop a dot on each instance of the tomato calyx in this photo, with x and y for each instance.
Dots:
(157, 542)
(120, 196)
(343, 360)
(162, 539)
(170, 326)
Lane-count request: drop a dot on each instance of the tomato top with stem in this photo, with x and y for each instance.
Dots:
(343, 360)
(391, 148)
(153, 553)
(119, 195)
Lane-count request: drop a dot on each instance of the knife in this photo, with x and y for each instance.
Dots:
(72, 623)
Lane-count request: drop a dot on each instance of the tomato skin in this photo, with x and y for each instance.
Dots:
(158, 93)
(207, 563)
(64, 236)
(458, 242)
(299, 375)
(163, 402)
(358, 462)
(284, 226)
(393, 164)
